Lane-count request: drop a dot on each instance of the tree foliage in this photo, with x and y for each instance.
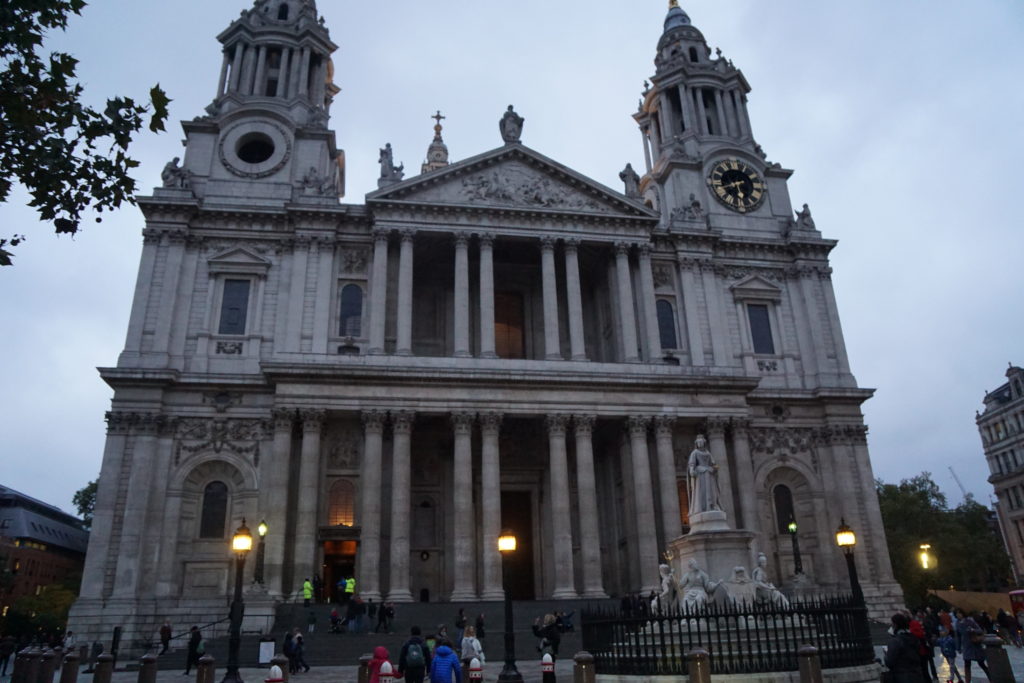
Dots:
(964, 540)
(84, 501)
(70, 157)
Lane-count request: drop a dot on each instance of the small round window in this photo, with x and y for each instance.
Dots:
(255, 148)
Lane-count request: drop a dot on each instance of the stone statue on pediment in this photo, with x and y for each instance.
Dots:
(702, 479)
(511, 126)
(804, 220)
(389, 173)
(176, 177)
(632, 181)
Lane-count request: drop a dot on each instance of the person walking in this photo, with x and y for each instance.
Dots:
(444, 667)
(471, 647)
(165, 636)
(289, 651)
(547, 633)
(947, 646)
(195, 644)
(380, 655)
(307, 591)
(299, 647)
(903, 655)
(973, 644)
(460, 626)
(414, 657)
(311, 622)
(479, 626)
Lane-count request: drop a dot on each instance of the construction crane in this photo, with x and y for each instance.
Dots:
(960, 484)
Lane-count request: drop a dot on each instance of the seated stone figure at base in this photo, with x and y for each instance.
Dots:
(694, 587)
(765, 589)
(666, 599)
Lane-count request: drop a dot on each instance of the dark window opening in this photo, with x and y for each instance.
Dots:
(215, 510)
(282, 12)
(783, 508)
(272, 87)
(693, 54)
(677, 107)
(509, 316)
(760, 328)
(351, 318)
(710, 111)
(255, 148)
(667, 325)
(234, 307)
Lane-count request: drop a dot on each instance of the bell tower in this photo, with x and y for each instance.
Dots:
(264, 139)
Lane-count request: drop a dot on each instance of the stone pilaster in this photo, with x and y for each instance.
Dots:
(744, 475)
(401, 505)
(275, 478)
(561, 520)
(461, 295)
(308, 507)
(368, 584)
(627, 311)
(574, 299)
(405, 270)
(671, 524)
(487, 296)
(552, 346)
(133, 525)
(646, 529)
(693, 337)
(649, 305)
(490, 494)
(716, 444)
(378, 290)
(465, 557)
(586, 486)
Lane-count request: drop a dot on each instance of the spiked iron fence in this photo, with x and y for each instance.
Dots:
(741, 638)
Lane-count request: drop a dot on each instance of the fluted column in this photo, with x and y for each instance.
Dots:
(687, 107)
(401, 506)
(405, 266)
(646, 529)
(552, 348)
(670, 522)
(223, 80)
(304, 73)
(236, 67)
(744, 475)
(490, 494)
(720, 106)
(462, 294)
(368, 583)
(465, 558)
(259, 87)
(276, 483)
(561, 520)
(379, 290)
(586, 488)
(702, 114)
(282, 72)
(133, 531)
(716, 444)
(308, 495)
(627, 312)
(650, 305)
(574, 299)
(487, 296)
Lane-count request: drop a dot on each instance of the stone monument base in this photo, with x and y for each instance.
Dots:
(717, 550)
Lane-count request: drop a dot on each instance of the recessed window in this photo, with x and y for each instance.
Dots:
(783, 508)
(693, 54)
(282, 12)
(234, 307)
(350, 322)
(667, 325)
(509, 316)
(760, 328)
(215, 510)
(255, 148)
(341, 503)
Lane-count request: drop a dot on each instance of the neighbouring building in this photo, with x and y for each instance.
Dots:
(496, 342)
(40, 546)
(1001, 426)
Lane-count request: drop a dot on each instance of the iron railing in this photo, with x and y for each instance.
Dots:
(740, 638)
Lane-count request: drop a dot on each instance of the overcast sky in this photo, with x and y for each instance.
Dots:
(902, 121)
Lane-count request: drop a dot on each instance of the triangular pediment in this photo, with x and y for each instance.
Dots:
(238, 260)
(755, 287)
(513, 177)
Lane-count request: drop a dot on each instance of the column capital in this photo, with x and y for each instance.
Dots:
(622, 248)
(118, 422)
(463, 422)
(148, 423)
(283, 418)
(381, 234)
(486, 239)
(401, 421)
(547, 242)
(740, 425)
(556, 424)
(490, 422)
(571, 243)
(644, 249)
(715, 426)
(373, 420)
(312, 419)
(461, 239)
(584, 424)
(637, 424)
(664, 424)
(407, 234)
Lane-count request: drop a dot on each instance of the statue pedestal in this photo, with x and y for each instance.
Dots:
(716, 548)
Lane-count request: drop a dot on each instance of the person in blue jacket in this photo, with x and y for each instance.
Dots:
(444, 665)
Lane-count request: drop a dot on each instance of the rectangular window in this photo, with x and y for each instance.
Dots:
(234, 307)
(509, 317)
(760, 328)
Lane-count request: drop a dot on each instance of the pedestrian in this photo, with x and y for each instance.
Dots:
(902, 656)
(7, 647)
(460, 626)
(926, 646)
(382, 618)
(195, 644)
(307, 591)
(444, 666)
(479, 626)
(947, 646)
(380, 655)
(299, 647)
(289, 650)
(68, 642)
(470, 647)
(311, 622)
(318, 588)
(548, 636)
(350, 588)
(165, 636)
(335, 621)
(389, 617)
(414, 658)
(360, 615)
(973, 643)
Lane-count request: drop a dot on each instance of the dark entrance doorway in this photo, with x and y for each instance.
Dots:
(339, 563)
(517, 515)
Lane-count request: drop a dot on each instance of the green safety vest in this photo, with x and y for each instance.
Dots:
(350, 585)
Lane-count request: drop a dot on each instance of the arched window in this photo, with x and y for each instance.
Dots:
(693, 54)
(351, 318)
(341, 503)
(667, 325)
(282, 12)
(783, 507)
(215, 510)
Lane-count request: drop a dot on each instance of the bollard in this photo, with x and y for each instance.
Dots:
(276, 673)
(583, 669)
(147, 668)
(58, 658)
(698, 666)
(30, 672)
(69, 673)
(21, 665)
(48, 660)
(999, 670)
(364, 669)
(547, 669)
(281, 662)
(387, 672)
(205, 671)
(104, 668)
(476, 671)
(810, 664)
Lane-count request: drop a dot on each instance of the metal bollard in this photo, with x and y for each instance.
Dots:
(69, 673)
(999, 670)
(364, 669)
(387, 672)
(147, 668)
(547, 669)
(58, 658)
(698, 665)
(583, 670)
(205, 671)
(476, 671)
(281, 661)
(30, 671)
(104, 668)
(276, 674)
(810, 664)
(20, 671)
(48, 660)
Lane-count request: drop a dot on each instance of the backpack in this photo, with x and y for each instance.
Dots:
(414, 657)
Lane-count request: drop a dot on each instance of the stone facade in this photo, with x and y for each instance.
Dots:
(1001, 426)
(497, 342)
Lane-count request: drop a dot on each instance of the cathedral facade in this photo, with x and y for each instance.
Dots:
(497, 342)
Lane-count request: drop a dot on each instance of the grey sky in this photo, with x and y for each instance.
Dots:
(901, 119)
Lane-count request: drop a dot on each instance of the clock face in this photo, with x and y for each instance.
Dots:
(737, 185)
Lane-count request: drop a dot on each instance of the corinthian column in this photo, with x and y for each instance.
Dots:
(308, 495)
(401, 422)
(716, 444)
(650, 305)
(369, 508)
(490, 494)
(487, 296)
(465, 564)
(552, 348)
(462, 294)
(586, 487)
(670, 522)
(574, 299)
(379, 290)
(561, 521)
(745, 474)
(276, 484)
(646, 531)
(404, 345)
(627, 312)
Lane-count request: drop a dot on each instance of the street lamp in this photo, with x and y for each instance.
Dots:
(506, 546)
(847, 540)
(927, 559)
(257, 575)
(798, 565)
(241, 544)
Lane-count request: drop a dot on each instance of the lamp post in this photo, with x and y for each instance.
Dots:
(847, 540)
(257, 575)
(241, 544)
(927, 559)
(507, 545)
(798, 565)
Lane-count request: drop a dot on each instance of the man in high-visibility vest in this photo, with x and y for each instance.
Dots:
(350, 587)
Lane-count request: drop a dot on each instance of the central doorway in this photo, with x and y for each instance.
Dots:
(517, 515)
(339, 563)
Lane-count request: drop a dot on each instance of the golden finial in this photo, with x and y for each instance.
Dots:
(437, 126)
(673, 3)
